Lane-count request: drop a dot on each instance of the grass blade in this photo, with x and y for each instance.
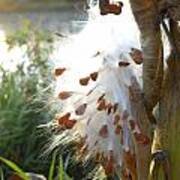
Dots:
(60, 170)
(14, 167)
(1, 174)
(52, 167)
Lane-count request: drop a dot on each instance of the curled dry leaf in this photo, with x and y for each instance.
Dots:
(59, 71)
(84, 81)
(81, 109)
(136, 55)
(102, 105)
(103, 131)
(94, 76)
(64, 95)
(123, 64)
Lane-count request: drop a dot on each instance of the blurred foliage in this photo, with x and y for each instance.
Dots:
(22, 104)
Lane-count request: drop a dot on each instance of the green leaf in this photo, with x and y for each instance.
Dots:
(14, 167)
(52, 166)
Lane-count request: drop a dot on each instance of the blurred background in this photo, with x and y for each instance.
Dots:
(29, 30)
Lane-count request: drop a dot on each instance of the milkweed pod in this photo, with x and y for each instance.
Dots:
(84, 81)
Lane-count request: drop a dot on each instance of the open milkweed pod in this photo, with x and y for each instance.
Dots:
(94, 76)
(59, 71)
(84, 81)
(136, 55)
(81, 109)
(64, 95)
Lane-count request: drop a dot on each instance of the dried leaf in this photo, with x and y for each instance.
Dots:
(84, 81)
(123, 64)
(94, 76)
(64, 95)
(59, 71)
(81, 109)
(136, 55)
(103, 131)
